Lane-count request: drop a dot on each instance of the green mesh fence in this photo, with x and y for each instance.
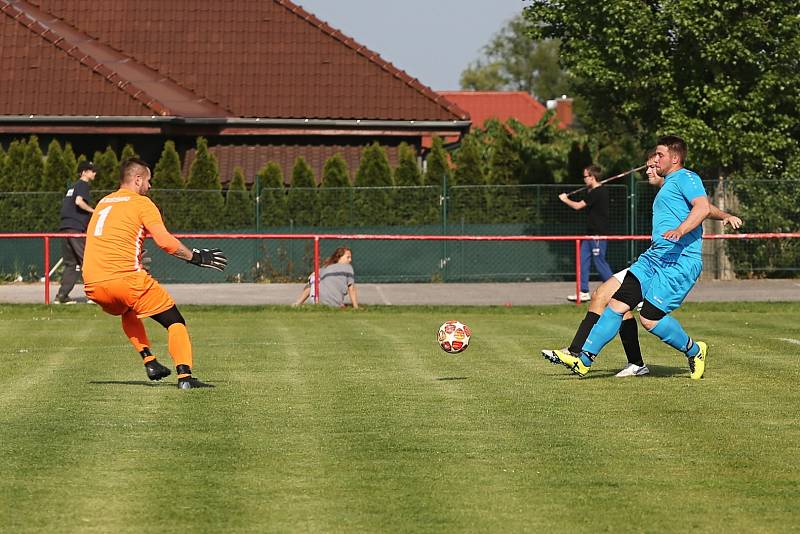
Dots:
(459, 210)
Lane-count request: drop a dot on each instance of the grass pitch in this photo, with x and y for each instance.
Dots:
(355, 421)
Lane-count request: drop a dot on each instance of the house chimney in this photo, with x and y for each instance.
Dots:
(563, 107)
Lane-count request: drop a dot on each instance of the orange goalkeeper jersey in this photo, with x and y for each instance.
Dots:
(116, 232)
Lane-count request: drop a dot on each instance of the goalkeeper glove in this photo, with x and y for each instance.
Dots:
(210, 258)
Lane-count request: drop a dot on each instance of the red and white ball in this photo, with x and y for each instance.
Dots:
(454, 337)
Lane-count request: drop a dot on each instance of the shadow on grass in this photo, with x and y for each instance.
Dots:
(668, 371)
(452, 378)
(131, 383)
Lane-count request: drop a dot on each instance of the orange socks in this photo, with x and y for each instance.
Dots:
(134, 329)
(180, 347)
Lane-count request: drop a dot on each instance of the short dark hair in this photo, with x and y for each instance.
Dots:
(651, 153)
(594, 170)
(127, 167)
(675, 144)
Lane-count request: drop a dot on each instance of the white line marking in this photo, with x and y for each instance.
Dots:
(789, 340)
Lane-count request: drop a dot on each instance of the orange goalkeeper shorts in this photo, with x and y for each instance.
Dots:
(137, 291)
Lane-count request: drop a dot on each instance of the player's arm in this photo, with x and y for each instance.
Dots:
(303, 296)
(210, 258)
(700, 210)
(351, 290)
(571, 203)
(82, 204)
(726, 218)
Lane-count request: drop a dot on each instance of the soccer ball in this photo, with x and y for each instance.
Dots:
(454, 337)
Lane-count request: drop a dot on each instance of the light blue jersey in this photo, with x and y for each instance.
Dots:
(670, 208)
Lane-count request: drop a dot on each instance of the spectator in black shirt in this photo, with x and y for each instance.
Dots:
(75, 214)
(592, 250)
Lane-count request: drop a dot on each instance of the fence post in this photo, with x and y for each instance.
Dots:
(46, 270)
(257, 188)
(577, 272)
(316, 269)
(631, 215)
(443, 202)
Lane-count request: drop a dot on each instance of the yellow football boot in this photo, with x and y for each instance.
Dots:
(697, 364)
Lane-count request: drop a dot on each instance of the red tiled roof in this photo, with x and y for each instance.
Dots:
(485, 105)
(244, 58)
(252, 158)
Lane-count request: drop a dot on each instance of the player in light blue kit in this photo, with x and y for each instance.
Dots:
(664, 274)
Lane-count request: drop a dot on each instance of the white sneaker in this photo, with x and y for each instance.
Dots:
(633, 370)
(585, 297)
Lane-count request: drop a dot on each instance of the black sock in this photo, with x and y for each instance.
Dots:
(145, 352)
(629, 334)
(583, 332)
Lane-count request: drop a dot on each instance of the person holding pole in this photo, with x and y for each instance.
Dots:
(592, 250)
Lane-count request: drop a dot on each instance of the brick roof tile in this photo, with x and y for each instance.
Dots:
(252, 58)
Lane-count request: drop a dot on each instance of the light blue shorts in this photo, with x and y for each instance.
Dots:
(666, 280)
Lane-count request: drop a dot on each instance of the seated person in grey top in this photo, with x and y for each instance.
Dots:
(336, 279)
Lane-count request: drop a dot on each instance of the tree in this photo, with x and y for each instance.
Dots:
(372, 205)
(205, 189)
(335, 192)
(169, 189)
(56, 175)
(468, 202)
(302, 200)
(437, 164)
(411, 200)
(514, 62)
(726, 80)
(107, 166)
(71, 161)
(505, 167)
(238, 203)
(128, 152)
(272, 196)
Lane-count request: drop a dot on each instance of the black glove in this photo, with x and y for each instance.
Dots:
(210, 258)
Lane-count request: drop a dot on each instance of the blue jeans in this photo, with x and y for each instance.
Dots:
(594, 250)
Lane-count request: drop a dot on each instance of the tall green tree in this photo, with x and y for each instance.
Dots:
(239, 212)
(32, 165)
(372, 193)
(169, 189)
(128, 152)
(107, 166)
(302, 199)
(726, 80)
(205, 189)
(335, 192)
(31, 177)
(505, 168)
(412, 201)
(56, 169)
(56, 174)
(437, 164)
(71, 161)
(3, 158)
(467, 200)
(512, 61)
(272, 196)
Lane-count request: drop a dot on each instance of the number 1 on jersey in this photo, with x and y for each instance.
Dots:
(101, 220)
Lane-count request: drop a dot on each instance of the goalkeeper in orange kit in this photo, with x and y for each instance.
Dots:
(116, 280)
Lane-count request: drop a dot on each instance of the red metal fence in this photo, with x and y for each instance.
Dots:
(316, 238)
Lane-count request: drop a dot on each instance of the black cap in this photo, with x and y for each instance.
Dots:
(85, 166)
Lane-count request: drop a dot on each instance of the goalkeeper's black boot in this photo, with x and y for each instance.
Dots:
(156, 371)
(191, 383)
(187, 381)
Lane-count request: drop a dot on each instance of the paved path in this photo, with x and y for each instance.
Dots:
(501, 294)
